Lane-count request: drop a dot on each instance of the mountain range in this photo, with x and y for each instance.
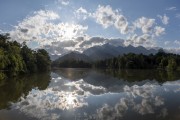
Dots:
(74, 56)
(104, 52)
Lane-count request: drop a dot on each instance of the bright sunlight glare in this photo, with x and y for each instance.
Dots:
(70, 100)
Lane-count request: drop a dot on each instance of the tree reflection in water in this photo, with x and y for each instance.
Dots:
(13, 88)
(105, 95)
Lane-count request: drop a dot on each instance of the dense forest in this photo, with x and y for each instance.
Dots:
(16, 58)
(161, 60)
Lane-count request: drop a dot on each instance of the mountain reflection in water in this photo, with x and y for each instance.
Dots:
(95, 94)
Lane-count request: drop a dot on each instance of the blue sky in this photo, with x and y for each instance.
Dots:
(63, 25)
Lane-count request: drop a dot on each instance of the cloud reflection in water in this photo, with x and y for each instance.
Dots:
(88, 101)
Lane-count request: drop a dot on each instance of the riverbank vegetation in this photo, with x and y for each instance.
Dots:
(16, 58)
(161, 60)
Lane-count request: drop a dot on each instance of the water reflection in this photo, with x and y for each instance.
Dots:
(139, 75)
(105, 95)
(13, 88)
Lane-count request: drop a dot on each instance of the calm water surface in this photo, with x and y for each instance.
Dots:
(86, 94)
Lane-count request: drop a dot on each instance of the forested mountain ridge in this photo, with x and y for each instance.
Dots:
(74, 56)
(160, 60)
(73, 59)
(17, 58)
(108, 51)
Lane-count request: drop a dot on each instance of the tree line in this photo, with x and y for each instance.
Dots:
(161, 60)
(16, 58)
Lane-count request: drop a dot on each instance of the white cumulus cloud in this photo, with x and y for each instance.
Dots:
(82, 13)
(64, 2)
(145, 40)
(164, 19)
(177, 42)
(145, 24)
(159, 30)
(106, 16)
(41, 28)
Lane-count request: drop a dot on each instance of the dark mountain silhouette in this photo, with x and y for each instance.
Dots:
(104, 52)
(108, 51)
(74, 56)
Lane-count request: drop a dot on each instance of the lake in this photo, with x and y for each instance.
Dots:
(87, 94)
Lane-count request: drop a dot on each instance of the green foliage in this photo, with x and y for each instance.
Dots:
(17, 58)
(29, 58)
(43, 60)
(2, 59)
(2, 76)
(172, 65)
(161, 60)
(163, 63)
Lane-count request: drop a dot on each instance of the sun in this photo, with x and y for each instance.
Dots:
(69, 33)
(70, 100)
